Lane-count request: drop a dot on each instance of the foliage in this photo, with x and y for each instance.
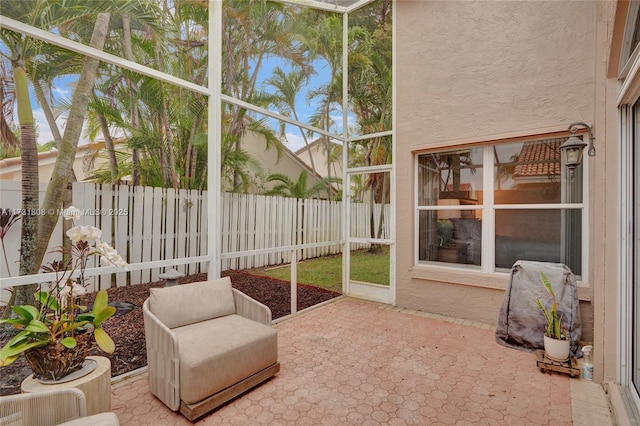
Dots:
(8, 218)
(299, 188)
(445, 232)
(555, 328)
(57, 319)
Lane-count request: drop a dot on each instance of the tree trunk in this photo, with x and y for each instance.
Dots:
(108, 144)
(128, 54)
(57, 187)
(164, 123)
(383, 201)
(46, 108)
(29, 264)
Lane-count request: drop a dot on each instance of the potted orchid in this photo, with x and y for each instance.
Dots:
(55, 335)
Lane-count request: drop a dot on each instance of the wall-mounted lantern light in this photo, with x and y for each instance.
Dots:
(572, 148)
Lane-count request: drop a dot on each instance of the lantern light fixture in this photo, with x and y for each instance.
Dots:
(572, 148)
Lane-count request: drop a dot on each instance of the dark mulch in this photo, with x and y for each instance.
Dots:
(126, 328)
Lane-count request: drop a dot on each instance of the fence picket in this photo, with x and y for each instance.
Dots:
(156, 229)
(170, 224)
(105, 223)
(204, 229)
(122, 220)
(193, 229)
(225, 219)
(135, 239)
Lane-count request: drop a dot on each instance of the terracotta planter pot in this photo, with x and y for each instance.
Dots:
(53, 362)
(556, 349)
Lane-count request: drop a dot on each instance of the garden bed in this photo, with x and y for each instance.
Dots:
(127, 326)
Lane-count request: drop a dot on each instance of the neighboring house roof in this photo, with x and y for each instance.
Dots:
(539, 158)
(11, 168)
(313, 144)
(316, 152)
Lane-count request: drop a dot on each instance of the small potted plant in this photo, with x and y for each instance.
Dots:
(556, 340)
(56, 334)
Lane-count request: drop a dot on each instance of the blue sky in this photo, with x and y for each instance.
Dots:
(64, 86)
(304, 109)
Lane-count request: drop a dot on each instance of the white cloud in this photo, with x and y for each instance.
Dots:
(294, 141)
(44, 131)
(61, 92)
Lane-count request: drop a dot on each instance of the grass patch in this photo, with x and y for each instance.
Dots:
(370, 267)
(326, 272)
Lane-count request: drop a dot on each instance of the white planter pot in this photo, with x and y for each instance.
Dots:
(558, 350)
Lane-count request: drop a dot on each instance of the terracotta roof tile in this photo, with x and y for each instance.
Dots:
(539, 158)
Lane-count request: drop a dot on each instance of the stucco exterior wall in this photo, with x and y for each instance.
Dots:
(474, 72)
(287, 163)
(83, 166)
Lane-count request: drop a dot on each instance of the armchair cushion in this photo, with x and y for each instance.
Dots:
(217, 354)
(188, 304)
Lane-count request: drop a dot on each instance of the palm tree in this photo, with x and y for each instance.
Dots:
(299, 188)
(48, 15)
(287, 86)
(324, 40)
(251, 32)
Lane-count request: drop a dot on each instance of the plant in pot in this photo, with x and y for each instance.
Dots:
(448, 251)
(56, 334)
(556, 339)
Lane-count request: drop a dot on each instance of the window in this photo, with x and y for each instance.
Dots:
(486, 207)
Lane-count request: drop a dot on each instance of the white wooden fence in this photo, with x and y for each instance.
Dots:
(147, 224)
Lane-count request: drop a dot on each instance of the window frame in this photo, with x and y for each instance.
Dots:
(489, 207)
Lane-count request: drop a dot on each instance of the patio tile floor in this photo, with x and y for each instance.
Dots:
(364, 363)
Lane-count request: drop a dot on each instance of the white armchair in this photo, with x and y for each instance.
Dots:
(206, 344)
(55, 407)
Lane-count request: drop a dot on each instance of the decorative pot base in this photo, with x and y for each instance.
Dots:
(54, 362)
(87, 367)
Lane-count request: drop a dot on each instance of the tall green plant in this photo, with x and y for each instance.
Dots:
(555, 327)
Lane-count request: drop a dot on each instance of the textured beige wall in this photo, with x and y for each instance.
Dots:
(287, 164)
(477, 72)
(475, 69)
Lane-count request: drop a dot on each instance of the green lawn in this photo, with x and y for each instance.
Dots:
(326, 272)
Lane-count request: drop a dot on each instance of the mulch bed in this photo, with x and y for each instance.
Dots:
(126, 328)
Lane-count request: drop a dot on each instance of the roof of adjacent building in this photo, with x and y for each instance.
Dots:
(539, 158)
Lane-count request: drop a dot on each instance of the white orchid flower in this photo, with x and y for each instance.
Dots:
(109, 255)
(91, 234)
(71, 213)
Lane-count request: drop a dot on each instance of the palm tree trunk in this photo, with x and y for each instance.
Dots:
(128, 54)
(57, 187)
(164, 123)
(30, 182)
(108, 144)
(46, 108)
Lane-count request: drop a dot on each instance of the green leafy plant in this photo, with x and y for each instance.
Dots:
(445, 232)
(56, 318)
(555, 327)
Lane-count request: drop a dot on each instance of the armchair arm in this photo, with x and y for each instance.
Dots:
(162, 359)
(43, 408)
(251, 308)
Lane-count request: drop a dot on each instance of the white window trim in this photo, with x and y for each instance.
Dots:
(487, 262)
